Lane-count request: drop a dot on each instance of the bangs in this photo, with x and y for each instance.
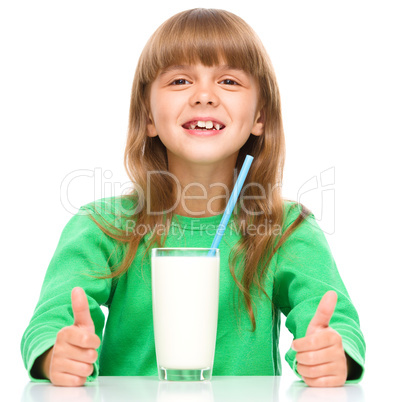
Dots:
(206, 36)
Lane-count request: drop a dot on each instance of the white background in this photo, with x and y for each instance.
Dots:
(66, 75)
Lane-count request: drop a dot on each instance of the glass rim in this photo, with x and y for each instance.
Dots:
(192, 251)
(185, 248)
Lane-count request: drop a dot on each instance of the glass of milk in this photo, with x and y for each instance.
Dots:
(185, 296)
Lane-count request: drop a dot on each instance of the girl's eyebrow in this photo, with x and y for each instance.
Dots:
(188, 67)
(228, 67)
(173, 68)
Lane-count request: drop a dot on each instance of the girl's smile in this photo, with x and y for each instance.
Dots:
(204, 126)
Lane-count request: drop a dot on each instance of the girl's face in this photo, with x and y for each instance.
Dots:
(186, 98)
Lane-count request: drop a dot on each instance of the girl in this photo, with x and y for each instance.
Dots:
(204, 96)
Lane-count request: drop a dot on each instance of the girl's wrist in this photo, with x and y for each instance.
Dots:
(40, 369)
(353, 369)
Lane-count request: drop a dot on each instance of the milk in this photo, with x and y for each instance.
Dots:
(185, 291)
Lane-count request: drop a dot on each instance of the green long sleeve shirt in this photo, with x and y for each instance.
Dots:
(300, 273)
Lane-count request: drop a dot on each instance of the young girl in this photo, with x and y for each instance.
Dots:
(204, 96)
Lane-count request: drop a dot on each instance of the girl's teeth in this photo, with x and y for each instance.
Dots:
(208, 125)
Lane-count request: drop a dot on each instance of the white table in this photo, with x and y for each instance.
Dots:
(226, 389)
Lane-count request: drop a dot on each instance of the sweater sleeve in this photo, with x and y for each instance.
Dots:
(83, 253)
(305, 271)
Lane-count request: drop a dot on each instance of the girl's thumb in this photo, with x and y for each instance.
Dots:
(323, 314)
(81, 310)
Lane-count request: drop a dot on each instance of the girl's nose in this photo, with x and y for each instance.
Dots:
(204, 95)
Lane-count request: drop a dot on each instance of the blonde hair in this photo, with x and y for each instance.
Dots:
(208, 36)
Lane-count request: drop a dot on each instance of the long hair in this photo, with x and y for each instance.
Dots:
(208, 36)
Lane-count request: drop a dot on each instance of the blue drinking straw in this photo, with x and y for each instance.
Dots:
(231, 204)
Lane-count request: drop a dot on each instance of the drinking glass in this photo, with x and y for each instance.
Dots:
(185, 296)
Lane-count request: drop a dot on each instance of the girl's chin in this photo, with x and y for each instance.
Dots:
(202, 156)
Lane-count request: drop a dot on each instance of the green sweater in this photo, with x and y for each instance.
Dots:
(301, 272)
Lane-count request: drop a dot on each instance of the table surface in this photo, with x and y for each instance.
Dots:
(228, 389)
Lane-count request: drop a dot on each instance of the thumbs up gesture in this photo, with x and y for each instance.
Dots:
(321, 359)
(71, 359)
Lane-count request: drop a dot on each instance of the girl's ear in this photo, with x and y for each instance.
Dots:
(258, 126)
(152, 132)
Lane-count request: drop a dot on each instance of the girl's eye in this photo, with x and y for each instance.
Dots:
(181, 81)
(227, 81)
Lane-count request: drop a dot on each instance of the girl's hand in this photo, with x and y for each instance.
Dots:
(71, 359)
(321, 359)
